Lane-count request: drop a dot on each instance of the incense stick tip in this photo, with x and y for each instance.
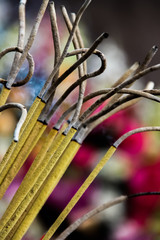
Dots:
(155, 48)
(105, 35)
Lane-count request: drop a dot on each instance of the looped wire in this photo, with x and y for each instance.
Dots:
(21, 120)
(30, 62)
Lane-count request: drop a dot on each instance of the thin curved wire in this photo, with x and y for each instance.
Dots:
(75, 65)
(21, 120)
(79, 38)
(88, 215)
(98, 210)
(11, 79)
(30, 62)
(119, 102)
(63, 55)
(121, 83)
(149, 87)
(115, 90)
(130, 133)
(126, 74)
(81, 69)
(148, 58)
(139, 68)
(57, 55)
(80, 80)
(21, 34)
(55, 32)
(86, 126)
(102, 92)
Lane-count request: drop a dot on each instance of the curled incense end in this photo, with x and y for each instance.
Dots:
(105, 35)
(130, 133)
(155, 48)
(30, 63)
(21, 120)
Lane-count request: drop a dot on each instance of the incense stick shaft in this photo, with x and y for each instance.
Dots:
(4, 95)
(14, 148)
(79, 193)
(22, 156)
(27, 182)
(52, 180)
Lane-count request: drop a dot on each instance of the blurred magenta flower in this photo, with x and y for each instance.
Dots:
(145, 179)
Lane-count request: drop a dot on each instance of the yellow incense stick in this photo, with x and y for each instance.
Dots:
(7, 157)
(31, 111)
(11, 171)
(79, 193)
(14, 157)
(31, 177)
(14, 148)
(48, 187)
(47, 171)
(4, 95)
(9, 152)
(91, 177)
(14, 229)
(45, 147)
(27, 182)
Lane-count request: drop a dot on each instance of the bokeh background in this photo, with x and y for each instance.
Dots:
(133, 27)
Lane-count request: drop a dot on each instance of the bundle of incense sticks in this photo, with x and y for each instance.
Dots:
(67, 135)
